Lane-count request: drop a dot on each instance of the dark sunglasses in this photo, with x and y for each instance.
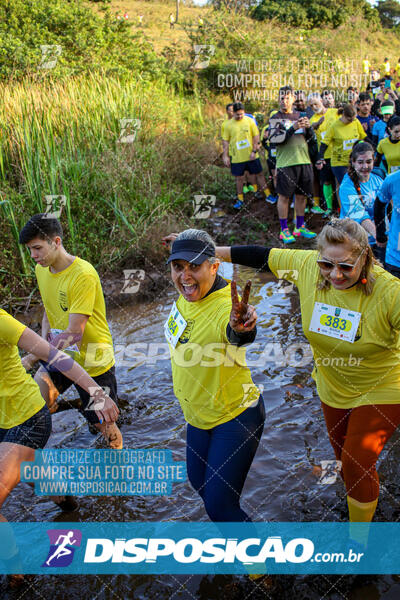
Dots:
(345, 267)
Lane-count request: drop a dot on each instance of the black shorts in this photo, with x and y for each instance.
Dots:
(254, 167)
(326, 174)
(105, 380)
(297, 179)
(33, 432)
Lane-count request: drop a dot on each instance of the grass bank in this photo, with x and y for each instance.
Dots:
(67, 138)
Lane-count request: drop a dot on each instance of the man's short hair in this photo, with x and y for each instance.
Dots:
(228, 105)
(364, 96)
(238, 106)
(286, 89)
(40, 226)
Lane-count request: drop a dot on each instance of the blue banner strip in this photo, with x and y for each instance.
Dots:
(189, 548)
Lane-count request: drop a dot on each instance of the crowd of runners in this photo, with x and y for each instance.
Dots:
(341, 162)
(314, 159)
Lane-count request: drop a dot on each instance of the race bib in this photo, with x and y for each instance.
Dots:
(356, 209)
(174, 326)
(335, 322)
(73, 347)
(242, 144)
(323, 134)
(348, 144)
(394, 169)
(273, 151)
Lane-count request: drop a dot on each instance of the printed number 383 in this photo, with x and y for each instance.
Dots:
(335, 322)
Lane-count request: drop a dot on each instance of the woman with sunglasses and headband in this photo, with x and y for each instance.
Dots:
(350, 310)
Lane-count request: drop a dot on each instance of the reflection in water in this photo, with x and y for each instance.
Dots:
(282, 484)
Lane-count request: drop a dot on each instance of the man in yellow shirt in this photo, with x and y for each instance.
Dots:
(241, 140)
(74, 319)
(366, 66)
(385, 69)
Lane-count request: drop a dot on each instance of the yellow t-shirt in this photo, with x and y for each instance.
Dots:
(20, 397)
(342, 136)
(240, 135)
(329, 117)
(77, 289)
(366, 371)
(391, 152)
(397, 69)
(211, 379)
(386, 68)
(366, 66)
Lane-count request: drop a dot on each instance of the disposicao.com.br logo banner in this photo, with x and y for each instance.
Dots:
(189, 548)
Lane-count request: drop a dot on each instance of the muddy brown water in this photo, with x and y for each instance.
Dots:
(282, 484)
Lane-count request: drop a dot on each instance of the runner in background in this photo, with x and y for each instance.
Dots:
(247, 187)
(300, 104)
(385, 69)
(352, 95)
(74, 320)
(364, 113)
(271, 161)
(171, 21)
(379, 130)
(366, 66)
(388, 150)
(290, 132)
(240, 141)
(321, 121)
(389, 193)
(397, 70)
(328, 98)
(341, 136)
(358, 191)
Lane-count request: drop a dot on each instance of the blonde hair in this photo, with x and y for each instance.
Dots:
(339, 231)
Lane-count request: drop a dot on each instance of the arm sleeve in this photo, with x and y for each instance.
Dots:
(322, 150)
(240, 339)
(251, 256)
(379, 219)
(83, 295)
(309, 134)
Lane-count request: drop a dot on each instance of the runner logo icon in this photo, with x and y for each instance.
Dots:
(63, 543)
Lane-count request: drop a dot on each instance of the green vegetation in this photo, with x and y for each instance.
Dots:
(310, 14)
(60, 126)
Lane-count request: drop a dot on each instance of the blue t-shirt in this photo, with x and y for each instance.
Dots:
(379, 129)
(350, 203)
(251, 117)
(370, 120)
(390, 190)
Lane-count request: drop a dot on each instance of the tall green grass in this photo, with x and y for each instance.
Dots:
(61, 138)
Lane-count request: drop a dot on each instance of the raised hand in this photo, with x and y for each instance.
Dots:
(168, 240)
(243, 315)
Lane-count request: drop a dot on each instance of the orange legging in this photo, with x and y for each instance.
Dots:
(358, 436)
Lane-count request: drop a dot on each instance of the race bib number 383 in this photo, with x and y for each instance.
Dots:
(335, 322)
